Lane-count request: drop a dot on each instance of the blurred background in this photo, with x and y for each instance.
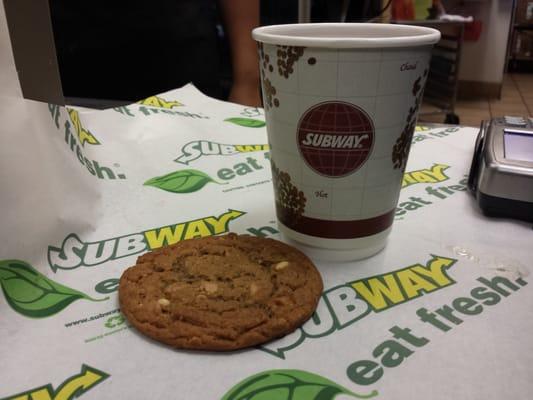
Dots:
(111, 53)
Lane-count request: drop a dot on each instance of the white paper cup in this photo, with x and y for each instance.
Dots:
(341, 102)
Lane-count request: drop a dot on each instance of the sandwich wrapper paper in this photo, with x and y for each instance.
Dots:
(444, 311)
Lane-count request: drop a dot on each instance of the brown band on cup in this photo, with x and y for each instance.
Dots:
(338, 229)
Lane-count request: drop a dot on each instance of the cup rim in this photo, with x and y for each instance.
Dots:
(346, 35)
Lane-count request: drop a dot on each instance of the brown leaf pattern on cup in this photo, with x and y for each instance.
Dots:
(269, 90)
(261, 49)
(400, 151)
(290, 202)
(287, 57)
(265, 59)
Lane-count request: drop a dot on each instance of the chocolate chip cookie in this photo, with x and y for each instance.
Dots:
(220, 293)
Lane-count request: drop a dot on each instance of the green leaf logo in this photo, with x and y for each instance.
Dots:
(246, 122)
(183, 181)
(288, 384)
(32, 294)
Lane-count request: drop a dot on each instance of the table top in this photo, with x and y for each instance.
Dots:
(444, 311)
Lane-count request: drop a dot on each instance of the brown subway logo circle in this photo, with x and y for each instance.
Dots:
(335, 138)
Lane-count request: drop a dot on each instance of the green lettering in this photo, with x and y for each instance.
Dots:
(242, 169)
(226, 174)
(107, 286)
(364, 372)
(466, 305)
(393, 353)
(483, 293)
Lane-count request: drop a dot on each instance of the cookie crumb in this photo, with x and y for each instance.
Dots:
(163, 302)
(254, 288)
(210, 287)
(281, 265)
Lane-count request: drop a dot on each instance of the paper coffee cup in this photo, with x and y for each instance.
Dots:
(341, 103)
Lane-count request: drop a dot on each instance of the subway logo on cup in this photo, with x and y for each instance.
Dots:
(335, 138)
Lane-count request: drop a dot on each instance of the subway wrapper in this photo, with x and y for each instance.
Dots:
(445, 311)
